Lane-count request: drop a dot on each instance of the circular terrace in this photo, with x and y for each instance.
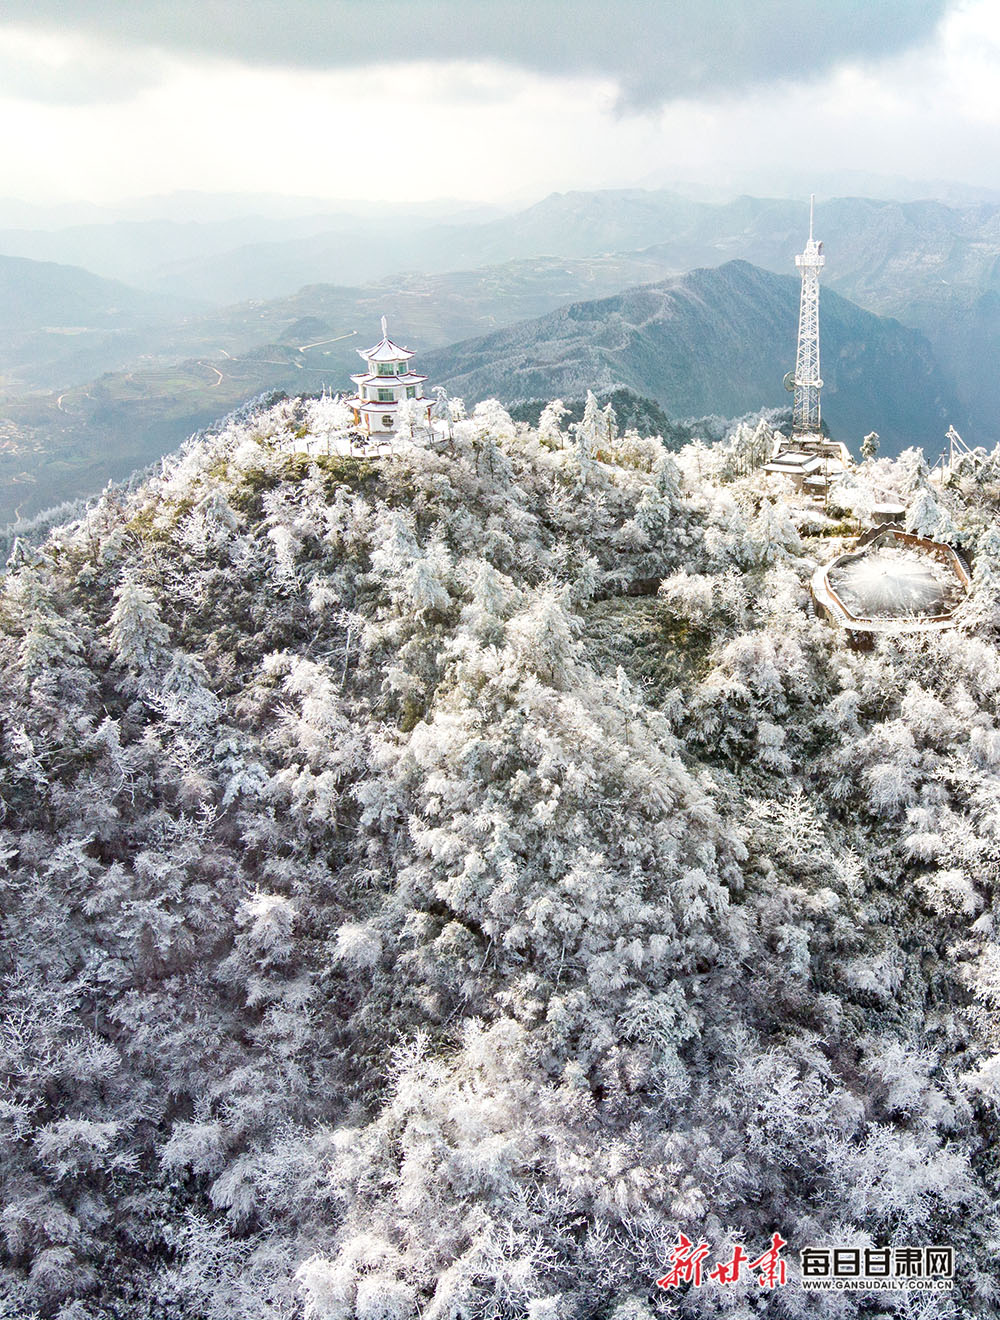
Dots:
(893, 582)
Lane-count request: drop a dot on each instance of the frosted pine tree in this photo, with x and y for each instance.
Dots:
(410, 419)
(137, 634)
(926, 516)
(749, 448)
(983, 607)
(445, 411)
(590, 430)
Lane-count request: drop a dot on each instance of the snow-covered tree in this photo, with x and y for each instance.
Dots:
(591, 430)
(137, 634)
(749, 448)
(410, 417)
(433, 883)
(926, 516)
(550, 430)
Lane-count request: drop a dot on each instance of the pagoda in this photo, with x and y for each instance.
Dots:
(386, 383)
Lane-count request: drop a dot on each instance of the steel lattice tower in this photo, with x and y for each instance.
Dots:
(806, 380)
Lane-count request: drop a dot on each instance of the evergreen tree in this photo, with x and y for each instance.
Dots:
(137, 634)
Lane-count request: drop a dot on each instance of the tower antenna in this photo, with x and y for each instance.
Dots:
(806, 380)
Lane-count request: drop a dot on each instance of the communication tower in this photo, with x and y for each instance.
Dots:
(805, 379)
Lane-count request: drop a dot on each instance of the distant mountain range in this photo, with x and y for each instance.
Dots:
(62, 323)
(35, 294)
(150, 251)
(432, 310)
(581, 225)
(714, 341)
(881, 253)
(933, 266)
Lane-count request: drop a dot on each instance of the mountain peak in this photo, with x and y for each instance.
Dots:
(715, 340)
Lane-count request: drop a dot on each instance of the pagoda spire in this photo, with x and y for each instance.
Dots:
(806, 380)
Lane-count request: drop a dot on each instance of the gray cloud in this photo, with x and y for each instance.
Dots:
(92, 78)
(655, 50)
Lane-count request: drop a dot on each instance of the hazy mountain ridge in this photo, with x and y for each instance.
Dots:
(715, 340)
(878, 249)
(35, 294)
(198, 227)
(64, 324)
(437, 309)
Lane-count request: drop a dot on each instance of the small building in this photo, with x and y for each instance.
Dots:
(810, 462)
(386, 383)
(891, 582)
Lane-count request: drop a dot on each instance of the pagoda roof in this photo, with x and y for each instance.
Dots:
(385, 350)
(373, 378)
(373, 406)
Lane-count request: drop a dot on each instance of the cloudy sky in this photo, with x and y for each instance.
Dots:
(409, 100)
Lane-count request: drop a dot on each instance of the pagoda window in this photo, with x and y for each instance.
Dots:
(411, 391)
(386, 369)
(385, 396)
(403, 368)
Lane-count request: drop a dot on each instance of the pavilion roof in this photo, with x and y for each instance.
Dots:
(385, 350)
(372, 378)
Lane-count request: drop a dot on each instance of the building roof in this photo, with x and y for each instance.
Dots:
(804, 463)
(373, 378)
(375, 406)
(789, 462)
(818, 444)
(385, 350)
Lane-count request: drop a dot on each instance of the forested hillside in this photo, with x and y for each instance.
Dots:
(62, 324)
(434, 883)
(710, 342)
